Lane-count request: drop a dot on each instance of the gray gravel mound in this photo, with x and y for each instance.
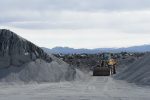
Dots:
(138, 72)
(22, 61)
(14, 50)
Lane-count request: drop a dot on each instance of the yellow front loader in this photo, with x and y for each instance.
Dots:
(107, 67)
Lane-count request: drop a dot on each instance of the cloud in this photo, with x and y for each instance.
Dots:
(86, 5)
(82, 38)
(88, 23)
(125, 21)
(130, 16)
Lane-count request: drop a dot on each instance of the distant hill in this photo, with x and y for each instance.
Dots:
(142, 48)
(67, 50)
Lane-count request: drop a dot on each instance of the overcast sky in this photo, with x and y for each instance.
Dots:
(78, 23)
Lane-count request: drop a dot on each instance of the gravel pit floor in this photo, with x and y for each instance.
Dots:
(96, 88)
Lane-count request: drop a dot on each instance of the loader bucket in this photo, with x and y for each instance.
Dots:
(101, 71)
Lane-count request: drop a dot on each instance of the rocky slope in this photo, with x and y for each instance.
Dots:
(21, 60)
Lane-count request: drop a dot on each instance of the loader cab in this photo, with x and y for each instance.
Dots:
(106, 56)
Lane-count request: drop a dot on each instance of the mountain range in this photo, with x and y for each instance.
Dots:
(67, 50)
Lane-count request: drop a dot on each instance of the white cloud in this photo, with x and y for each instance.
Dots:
(82, 38)
(78, 5)
(125, 21)
(88, 23)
